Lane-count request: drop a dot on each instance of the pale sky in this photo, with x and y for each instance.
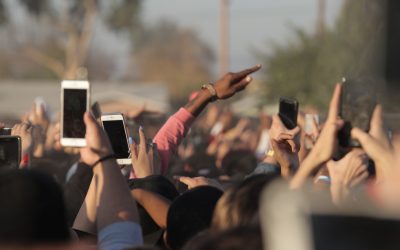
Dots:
(255, 24)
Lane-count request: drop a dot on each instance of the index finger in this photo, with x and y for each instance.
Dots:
(334, 104)
(244, 73)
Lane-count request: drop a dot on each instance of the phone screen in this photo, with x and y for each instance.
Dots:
(9, 152)
(357, 103)
(74, 109)
(116, 133)
(288, 110)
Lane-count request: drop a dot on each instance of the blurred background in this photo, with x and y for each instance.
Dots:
(149, 54)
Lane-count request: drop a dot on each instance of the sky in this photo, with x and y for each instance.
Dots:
(254, 24)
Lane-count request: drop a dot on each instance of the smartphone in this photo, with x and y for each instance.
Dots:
(288, 110)
(75, 101)
(10, 152)
(114, 126)
(5, 131)
(356, 106)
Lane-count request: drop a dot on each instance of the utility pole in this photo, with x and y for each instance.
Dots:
(320, 25)
(223, 37)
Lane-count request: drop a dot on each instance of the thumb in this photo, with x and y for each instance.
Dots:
(368, 143)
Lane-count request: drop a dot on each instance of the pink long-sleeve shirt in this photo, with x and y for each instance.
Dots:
(170, 136)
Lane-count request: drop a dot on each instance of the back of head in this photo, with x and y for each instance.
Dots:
(239, 206)
(239, 163)
(239, 238)
(190, 214)
(32, 209)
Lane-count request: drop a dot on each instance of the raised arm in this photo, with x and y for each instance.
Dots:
(170, 135)
(325, 145)
(108, 204)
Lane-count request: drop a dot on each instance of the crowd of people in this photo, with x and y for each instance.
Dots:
(201, 182)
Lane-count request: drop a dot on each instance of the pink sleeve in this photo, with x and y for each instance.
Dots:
(171, 134)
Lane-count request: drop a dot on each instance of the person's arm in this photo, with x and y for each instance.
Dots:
(108, 202)
(156, 205)
(325, 145)
(170, 135)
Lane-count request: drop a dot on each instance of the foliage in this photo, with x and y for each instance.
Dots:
(168, 53)
(309, 67)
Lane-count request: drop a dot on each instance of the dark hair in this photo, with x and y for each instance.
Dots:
(32, 209)
(190, 214)
(239, 205)
(239, 163)
(248, 238)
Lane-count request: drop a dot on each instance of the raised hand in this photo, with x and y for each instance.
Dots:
(231, 83)
(377, 145)
(97, 143)
(347, 173)
(145, 159)
(325, 145)
(327, 141)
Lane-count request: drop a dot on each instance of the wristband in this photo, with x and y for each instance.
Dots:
(104, 158)
(211, 89)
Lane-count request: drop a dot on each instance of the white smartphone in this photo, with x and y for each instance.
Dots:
(75, 101)
(114, 126)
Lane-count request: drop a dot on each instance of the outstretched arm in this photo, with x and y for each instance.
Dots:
(170, 135)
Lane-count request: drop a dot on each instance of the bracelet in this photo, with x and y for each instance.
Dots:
(211, 89)
(104, 158)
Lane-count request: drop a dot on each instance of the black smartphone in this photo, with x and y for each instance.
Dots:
(357, 102)
(10, 152)
(114, 125)
(288, 110)
(5, 131)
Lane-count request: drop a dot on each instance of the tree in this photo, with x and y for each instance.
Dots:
(73, 23)
(176, 56)
(309, 67)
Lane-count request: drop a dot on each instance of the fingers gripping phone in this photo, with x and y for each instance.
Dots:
(356, 107)
(75, 101)
(10, 152)
(114, 126)
(288, 110)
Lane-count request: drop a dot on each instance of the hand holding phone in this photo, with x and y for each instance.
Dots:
(288, 111)
(75, 101)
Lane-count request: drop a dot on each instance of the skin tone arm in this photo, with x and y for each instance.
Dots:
(156, 205)
(227, 86)
(325, 145)
(107, 184)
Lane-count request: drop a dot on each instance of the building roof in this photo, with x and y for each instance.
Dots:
(16, 97)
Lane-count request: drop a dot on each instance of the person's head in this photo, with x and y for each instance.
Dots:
(239, 205)
(239, 238)
(190, 214)
(32, 209)
(239, 163)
